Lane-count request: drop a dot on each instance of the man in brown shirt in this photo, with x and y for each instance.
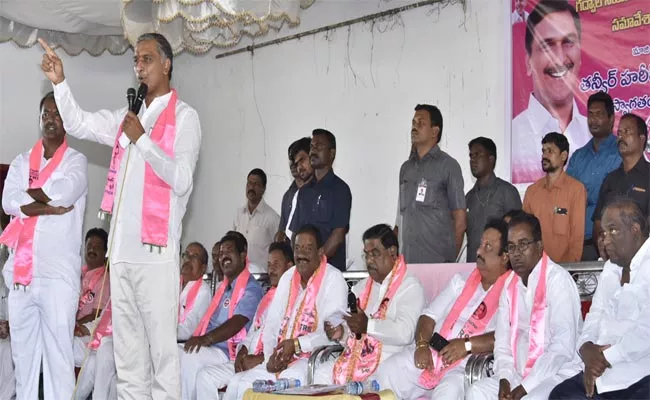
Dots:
(559, 202)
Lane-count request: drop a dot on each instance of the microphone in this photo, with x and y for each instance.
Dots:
(130, 97)
(352, 304)
(142, 93)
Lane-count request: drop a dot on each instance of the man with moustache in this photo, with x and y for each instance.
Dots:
(154, 155)
(307, 295)
(591, 163)
(250, 353)
(559, 202)
(614, 361)
(325, 201)
(95, 375)
(227, 319)
(431, 202)
(298, 148)
(257, 220)
(553, 59)
(632, 178)
(491, 197)
(390, 300)
(537, 324)
(217, 273)
(464, 314)
(45, 193)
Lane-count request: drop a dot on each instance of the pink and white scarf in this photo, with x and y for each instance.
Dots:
(190, 299)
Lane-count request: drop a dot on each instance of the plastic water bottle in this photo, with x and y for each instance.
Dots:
(284, 384)
(357, 388)
(268, 386)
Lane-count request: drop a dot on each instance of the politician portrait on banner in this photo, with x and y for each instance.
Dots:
(563, 52)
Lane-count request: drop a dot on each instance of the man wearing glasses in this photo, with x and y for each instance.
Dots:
(538, 321)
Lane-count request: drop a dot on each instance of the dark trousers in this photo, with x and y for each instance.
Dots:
(574, 389)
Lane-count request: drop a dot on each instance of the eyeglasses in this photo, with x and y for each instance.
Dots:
(609, 232)
(519, 247)
(190, 257)
(371, 255)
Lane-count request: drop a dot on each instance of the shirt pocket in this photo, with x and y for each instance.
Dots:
(631, 299)
(561, 222)
(323, 208)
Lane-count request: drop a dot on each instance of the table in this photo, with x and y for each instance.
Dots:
(383, 395)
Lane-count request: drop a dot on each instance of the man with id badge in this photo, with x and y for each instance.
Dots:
(432, 216)
(559, 202)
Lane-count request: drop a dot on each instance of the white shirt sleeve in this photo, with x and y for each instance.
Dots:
(201, 303)
(333, 298)
(439, 307)
(591, 327)
(14, 194)
(178, 171)
(504, 362)
(69, 182)
(563, 305)
(101, 126)
(401, 330)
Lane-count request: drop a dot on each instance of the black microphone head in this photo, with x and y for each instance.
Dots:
(130, 97)
(142, 93)
(352, 302)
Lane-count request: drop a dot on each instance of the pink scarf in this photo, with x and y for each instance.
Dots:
(361, 357)
(474, 326)
(306, 319)
(261, 309)
(237, 294)
(19, 234)
(190, 299)
(537, 318)
(88, 290)
(157, 194)
(104, 327)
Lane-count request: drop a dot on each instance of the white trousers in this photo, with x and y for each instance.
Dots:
(7, 379)
(144, 298)
(42, 321)
(243, 381)
(98, 374)
(399, 374)
(193, 363)
(488, 389)
(212, 378)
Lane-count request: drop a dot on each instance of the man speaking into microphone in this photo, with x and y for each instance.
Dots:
(155, 150)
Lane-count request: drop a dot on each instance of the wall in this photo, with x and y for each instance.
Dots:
(360, 82)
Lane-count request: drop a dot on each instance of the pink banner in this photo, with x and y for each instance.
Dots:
(569, 55)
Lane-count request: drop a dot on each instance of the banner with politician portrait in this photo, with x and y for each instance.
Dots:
(563, 52)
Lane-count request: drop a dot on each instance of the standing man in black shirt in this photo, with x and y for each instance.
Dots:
(325, 201)
(632, 178)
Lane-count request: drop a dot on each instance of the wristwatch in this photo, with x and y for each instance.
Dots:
(468, 345)
(296, 345)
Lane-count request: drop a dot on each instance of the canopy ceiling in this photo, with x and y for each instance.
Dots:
(97, 26)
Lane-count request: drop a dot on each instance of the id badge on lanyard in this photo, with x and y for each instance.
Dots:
(422, 191)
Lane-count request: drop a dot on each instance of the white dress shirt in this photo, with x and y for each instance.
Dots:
(515, 17)
(200, 307)
(441, 306)
(254, 334)
(528, 129)
(332, 297)
(57, 238)
(620, 316)
(563, 322)
(259, 228)
(102, 127)
(397, 330)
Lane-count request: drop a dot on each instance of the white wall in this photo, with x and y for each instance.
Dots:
(360, 82)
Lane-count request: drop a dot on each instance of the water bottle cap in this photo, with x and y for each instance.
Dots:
(374, 385)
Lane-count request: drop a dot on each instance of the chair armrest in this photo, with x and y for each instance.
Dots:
(325, 352)
(478, 366)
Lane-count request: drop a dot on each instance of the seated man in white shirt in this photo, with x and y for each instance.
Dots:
(227, 319)
(538, 321)
(389, 303)
(195, 293)
(95, 295)
(464, 314)
(307, 295)
(250, 353)
(614, 345)
(257, 220)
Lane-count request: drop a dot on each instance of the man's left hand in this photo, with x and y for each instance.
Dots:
(518, 393)
(454, 351)
(132, 127)
(286, 350)
(357, 322)
(194, 344)
(251, 361)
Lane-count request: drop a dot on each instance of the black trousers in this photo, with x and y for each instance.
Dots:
(574, 389)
